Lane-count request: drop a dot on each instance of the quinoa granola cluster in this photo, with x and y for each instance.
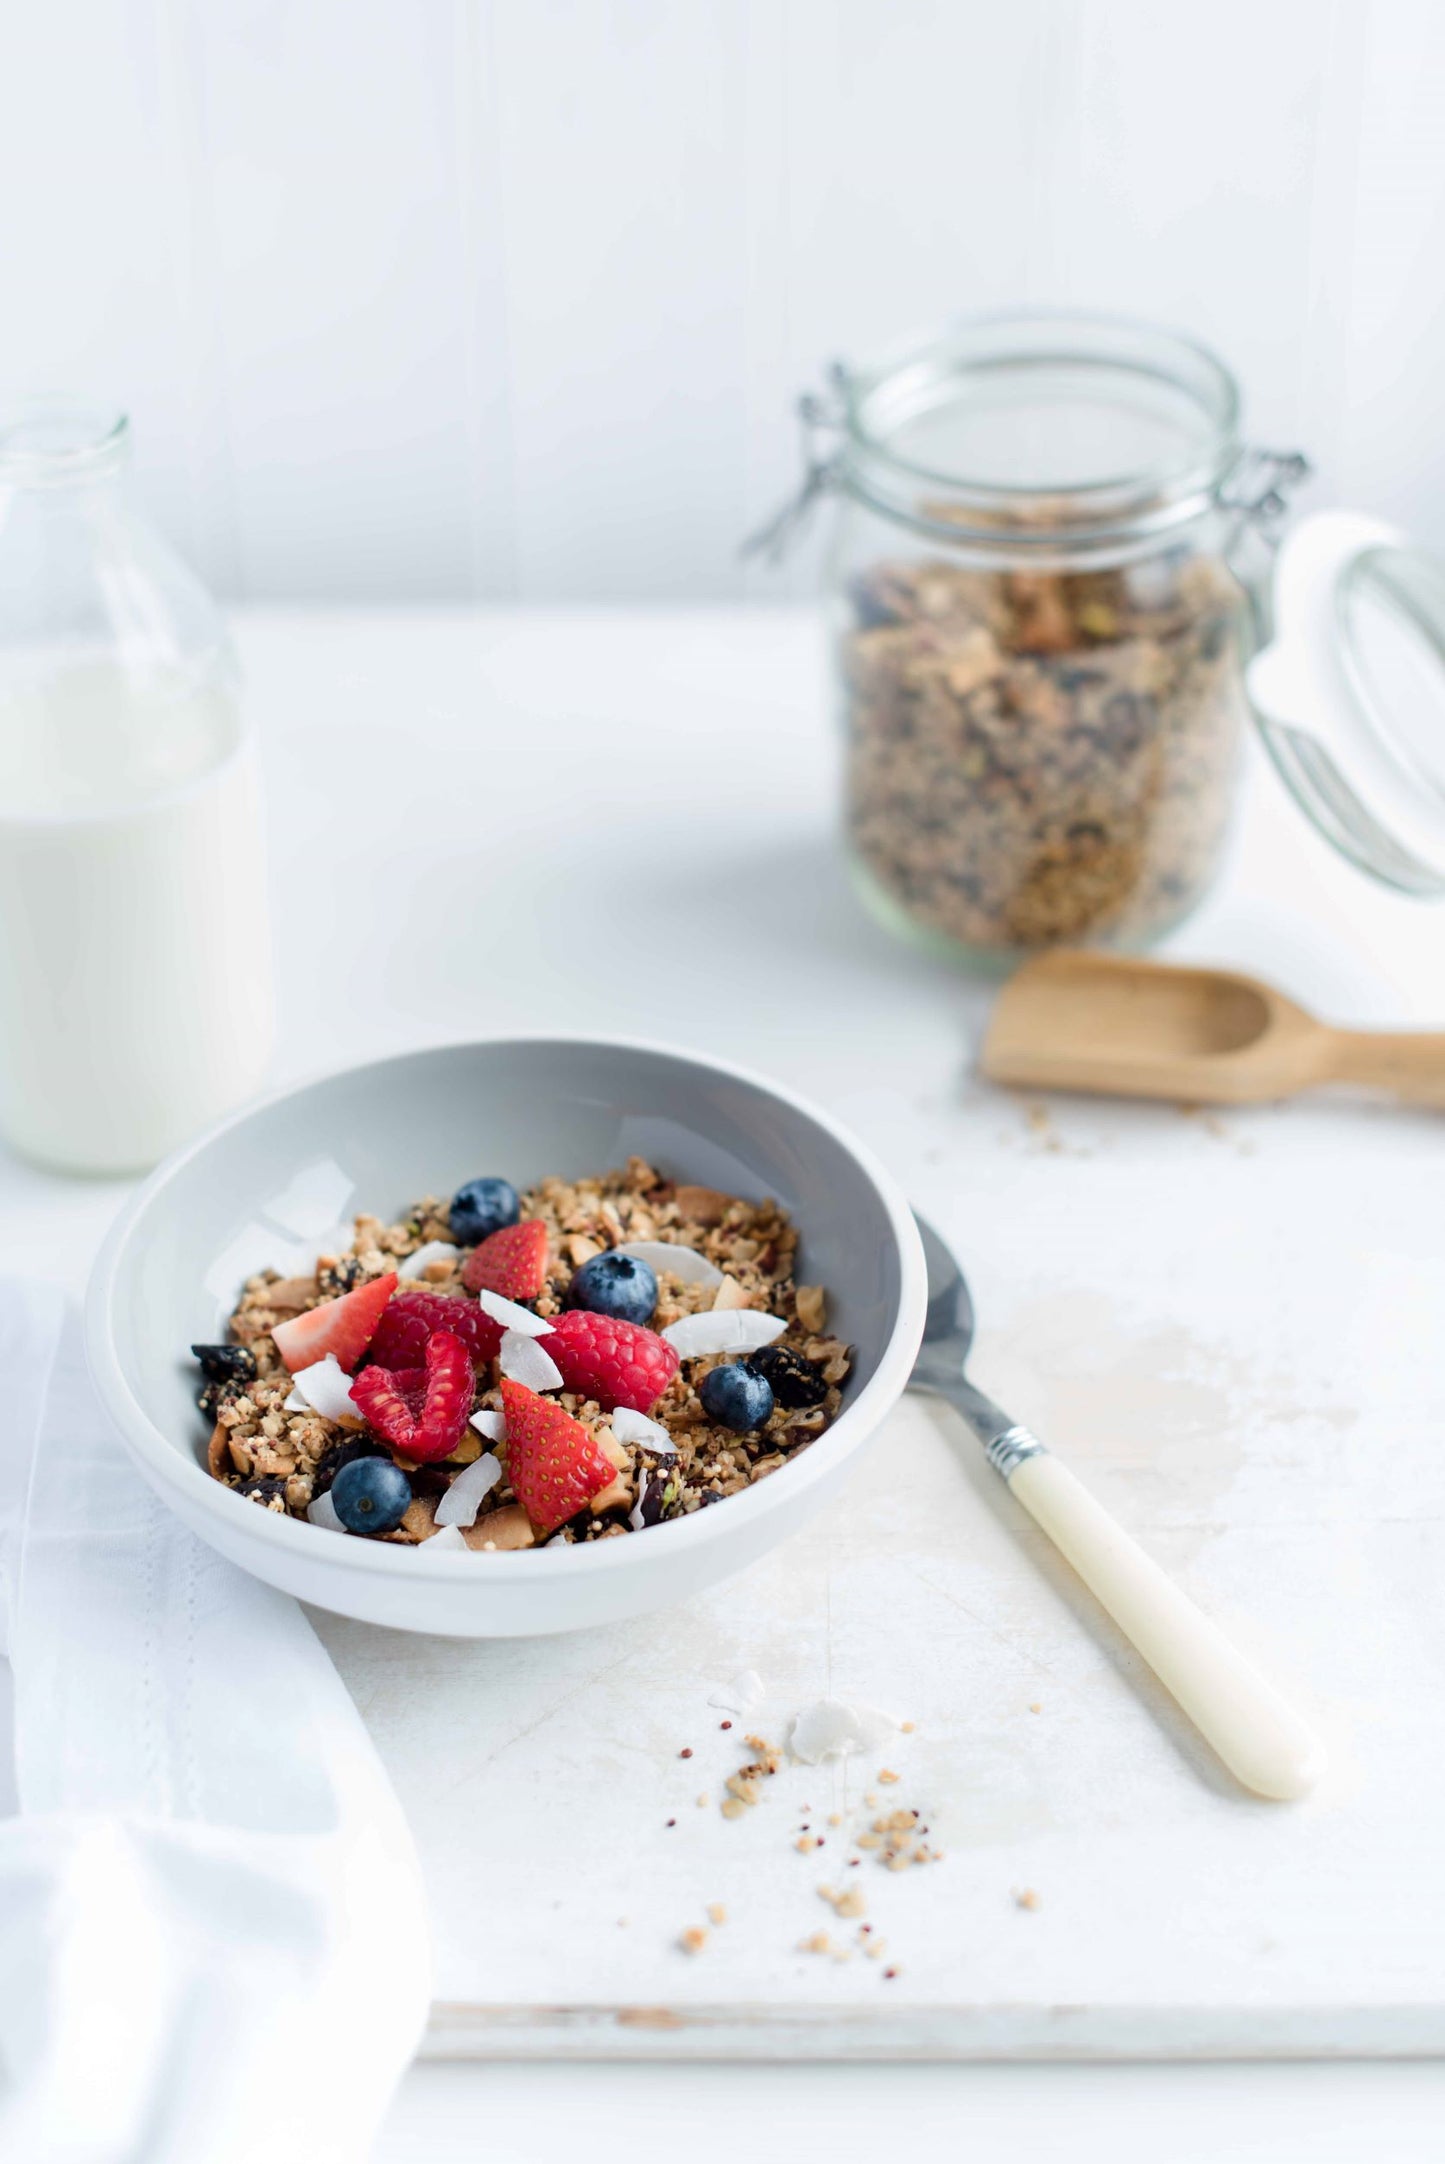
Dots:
(284, 1460)
(1041, 756)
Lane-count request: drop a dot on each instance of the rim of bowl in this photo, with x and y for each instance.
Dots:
(175, 1468)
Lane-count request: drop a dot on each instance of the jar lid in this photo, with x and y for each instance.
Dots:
(1349, 694)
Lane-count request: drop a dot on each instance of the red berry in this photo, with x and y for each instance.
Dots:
(344, 1327)
(401, 1337)
(512, 1262)
(445, 1409)
(553, 1462)
(618, 1363)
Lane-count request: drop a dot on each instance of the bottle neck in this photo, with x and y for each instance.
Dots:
(62, 451)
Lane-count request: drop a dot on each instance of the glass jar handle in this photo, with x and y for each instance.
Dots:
(1256, 490)
(820, 418)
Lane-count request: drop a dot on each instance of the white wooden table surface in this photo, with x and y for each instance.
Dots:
(467, 810)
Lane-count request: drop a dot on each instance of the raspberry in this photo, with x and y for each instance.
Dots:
(512, 1262)
(618, 1363)
(553, 1463)
(411, 1317)
(446, 1407)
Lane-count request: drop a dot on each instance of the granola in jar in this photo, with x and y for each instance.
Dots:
(1049, 558)
(1040, 756)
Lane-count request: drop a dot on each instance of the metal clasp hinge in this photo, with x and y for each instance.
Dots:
(820, 417)
(1259, 483)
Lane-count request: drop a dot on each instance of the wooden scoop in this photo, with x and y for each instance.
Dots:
(1120, 1028)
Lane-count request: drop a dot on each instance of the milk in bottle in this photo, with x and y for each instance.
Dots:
(135, 977)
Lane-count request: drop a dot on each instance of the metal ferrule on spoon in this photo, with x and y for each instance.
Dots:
(1254, 1730)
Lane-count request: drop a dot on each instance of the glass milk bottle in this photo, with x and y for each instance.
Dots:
(135, 967)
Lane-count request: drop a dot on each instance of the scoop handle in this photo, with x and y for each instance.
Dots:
(1262, 1740)
(1409, 1062)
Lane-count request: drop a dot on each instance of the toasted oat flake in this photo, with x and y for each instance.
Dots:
(716, 1912)
(693, 1940)
(1026, 1898)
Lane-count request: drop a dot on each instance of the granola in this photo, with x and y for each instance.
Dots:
(1041, 756)
(272, 1446)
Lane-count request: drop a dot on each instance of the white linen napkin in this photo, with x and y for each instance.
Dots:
(213, 1935)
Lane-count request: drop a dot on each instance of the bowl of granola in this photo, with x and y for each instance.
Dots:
(508, 1337)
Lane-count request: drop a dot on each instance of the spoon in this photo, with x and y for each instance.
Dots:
(1264, 1743)
(1107, 1024)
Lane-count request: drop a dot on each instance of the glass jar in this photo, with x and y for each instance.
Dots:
(1042, 612)
(135, 974)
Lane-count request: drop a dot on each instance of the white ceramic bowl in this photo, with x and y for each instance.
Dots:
(421, 1124)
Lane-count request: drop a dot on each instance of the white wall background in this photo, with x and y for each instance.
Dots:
(451, 298)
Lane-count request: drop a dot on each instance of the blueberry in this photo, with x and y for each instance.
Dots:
(226, 1363)
(741, 1400)
(795, 1381)
(481, 1208)
(622, 1286)
(370, 1495)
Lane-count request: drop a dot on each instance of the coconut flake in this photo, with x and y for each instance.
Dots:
(634, 1516)
(645, 1434)
(685, 1263)
(492, 1425)
(830, 1729)
(512, 1317)
(523, 1360)
(722, 1330)
(322, 1511)
(448, 1538)
(418, 1264)
(741, 1695)
(464, 1498)
(325, 1388)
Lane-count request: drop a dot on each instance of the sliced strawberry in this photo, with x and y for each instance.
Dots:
(552, 1460)
(512, 1262)
(618, 1363)
(442, 1423)
(344, 1327)
(401, 1339)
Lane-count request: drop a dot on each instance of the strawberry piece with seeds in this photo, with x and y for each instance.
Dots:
(401, 1338)
(512, 1262)
(445, 1410)
(345, 1327)
(553, 1462)
(616, 1362)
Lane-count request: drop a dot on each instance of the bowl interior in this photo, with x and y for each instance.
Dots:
(251, 1193)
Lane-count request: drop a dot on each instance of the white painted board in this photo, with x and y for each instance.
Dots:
(1223, 1324)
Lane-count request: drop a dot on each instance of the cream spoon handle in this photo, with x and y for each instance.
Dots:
(1259, 1736)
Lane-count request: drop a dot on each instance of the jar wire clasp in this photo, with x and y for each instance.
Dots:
(821, 418)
